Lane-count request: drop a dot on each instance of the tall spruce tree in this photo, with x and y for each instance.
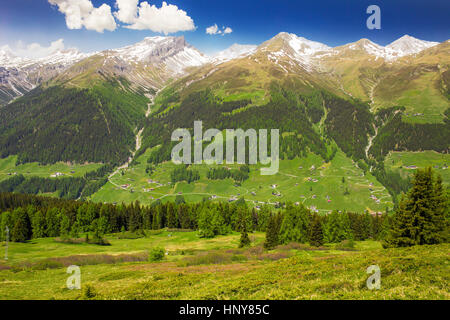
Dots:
(337, 227)
(21, 231)
(316, 234)
(295, 225)
(273, 230)
(420, 217)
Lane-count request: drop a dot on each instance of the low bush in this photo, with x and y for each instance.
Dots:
(346, 245)
(212, 258)
(156, 254)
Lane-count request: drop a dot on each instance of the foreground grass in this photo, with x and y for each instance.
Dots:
(215, 269)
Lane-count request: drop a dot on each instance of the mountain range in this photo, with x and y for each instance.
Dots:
(172, 56)
(72, 106)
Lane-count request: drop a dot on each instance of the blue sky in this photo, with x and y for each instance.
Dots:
(333, 22)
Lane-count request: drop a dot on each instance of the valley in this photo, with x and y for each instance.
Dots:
(295, 181)
(86, 176)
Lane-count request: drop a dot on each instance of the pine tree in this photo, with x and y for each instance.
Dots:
(245, 240)
(172, 219)
(135, 220)
(316, 235)
(38, 224)
(420, 217)
(64, 225)
(21, 231)
(244, 225)
(437, 230)
(52, 222)
(295, 225)
(273, 230)
(6, 221)
(211, 223)
(367, 226)
(385, 227)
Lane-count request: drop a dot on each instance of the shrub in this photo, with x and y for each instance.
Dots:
(212, 258)
(48, 264)
(157, 254)
(346, 245)
(89, 292)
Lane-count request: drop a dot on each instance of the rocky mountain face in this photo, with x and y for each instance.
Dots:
(149, 63)
(19, 75)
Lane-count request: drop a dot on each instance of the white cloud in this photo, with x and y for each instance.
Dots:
(82, 13)
(214, 29)
(227, 30)
(167, 19)
(100, 19)
(127, 12)
(35, 50)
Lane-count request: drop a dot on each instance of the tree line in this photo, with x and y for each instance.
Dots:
(422, 218)
(221, 173)
(30, 216)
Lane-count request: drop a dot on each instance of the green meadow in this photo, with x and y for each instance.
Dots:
(195, 268)
(339, 184)
(400, 161)
(8, 168)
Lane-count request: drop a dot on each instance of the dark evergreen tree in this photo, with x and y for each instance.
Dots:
(316, 235)
(244, 241)
(172, 219)
(21, 231)
(420, 218)
(273, 231)
(295, 225)
(38, 224)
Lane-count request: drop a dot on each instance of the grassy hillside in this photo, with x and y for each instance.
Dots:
(216, 269)
(408, 162)
(8, 168)
(292, 182)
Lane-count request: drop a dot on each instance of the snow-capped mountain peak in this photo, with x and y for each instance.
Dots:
(404, 46)
(303, 46)
(407, 45)
(299, 46)
(174, 52)
(233, 52)
(8, 59)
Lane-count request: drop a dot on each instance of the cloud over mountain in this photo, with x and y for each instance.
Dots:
(34, 50)
(82, 13)
(144, 16)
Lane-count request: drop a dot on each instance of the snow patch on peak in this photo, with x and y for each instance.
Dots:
(233, 52)
(303, 46)
(174, 52)
(407, 45)
(404, 46)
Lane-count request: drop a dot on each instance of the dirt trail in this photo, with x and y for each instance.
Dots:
(130, 159)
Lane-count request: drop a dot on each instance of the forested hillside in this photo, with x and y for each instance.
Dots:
(70, 124)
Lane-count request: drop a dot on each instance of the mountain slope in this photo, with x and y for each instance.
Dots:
(70, 124)
(19, 75)
(325, 86)
(93, 109)
(338, 89)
